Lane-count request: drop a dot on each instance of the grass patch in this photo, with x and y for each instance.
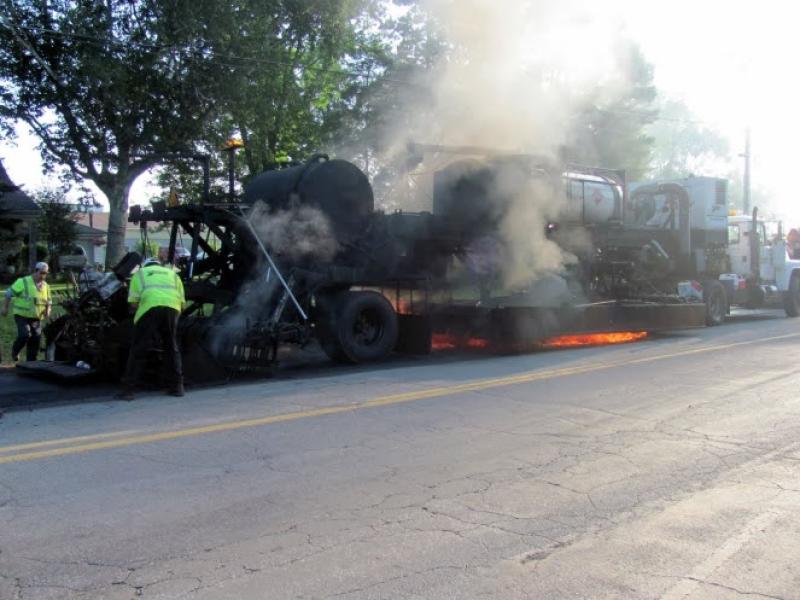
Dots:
(8, 333)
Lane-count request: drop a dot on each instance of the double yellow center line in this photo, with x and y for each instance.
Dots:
(88, 443)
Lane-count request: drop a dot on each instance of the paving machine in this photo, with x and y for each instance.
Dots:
(302, 256)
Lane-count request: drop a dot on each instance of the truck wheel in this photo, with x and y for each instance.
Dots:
(716, 303)
(364, 328)
(791, 297)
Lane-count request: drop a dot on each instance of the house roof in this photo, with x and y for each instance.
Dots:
(97, 220)
(14, 202)
(84, 231)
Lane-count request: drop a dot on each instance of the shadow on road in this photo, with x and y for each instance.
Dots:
(23, 392)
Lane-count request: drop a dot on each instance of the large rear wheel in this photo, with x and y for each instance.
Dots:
(363, 327)
(716, 302)
(791, 297)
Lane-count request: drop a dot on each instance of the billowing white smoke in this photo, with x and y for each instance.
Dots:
(296, 233)
(517, 72)
(292, 235)
(516, 75)
(531, 254)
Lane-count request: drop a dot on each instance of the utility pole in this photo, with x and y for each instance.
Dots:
(746, 179)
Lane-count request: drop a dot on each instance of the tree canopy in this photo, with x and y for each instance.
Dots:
(613, 133)
(683, 145)
(114, 88)
(110, 88)
(57, 220)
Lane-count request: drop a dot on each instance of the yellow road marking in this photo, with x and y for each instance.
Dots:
(381, 401)
(65, 441)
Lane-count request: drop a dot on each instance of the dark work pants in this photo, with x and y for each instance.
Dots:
(29, 333)
(158, 328)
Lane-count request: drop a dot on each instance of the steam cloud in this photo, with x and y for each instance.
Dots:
(296, 233)
(514, 78)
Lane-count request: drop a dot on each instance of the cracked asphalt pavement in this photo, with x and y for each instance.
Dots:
(663, 469)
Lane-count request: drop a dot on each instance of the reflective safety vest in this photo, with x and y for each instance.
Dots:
(29, 301)
(153, 286)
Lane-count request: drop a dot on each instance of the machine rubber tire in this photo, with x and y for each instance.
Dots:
(791, 297)
(716, 302)
(364, 328)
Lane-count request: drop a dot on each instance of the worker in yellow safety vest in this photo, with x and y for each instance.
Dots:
(156, 298)
(32, 305)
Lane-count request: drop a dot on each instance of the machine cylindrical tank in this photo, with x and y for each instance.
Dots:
(591, 202)
(473, 195)
(337, 187)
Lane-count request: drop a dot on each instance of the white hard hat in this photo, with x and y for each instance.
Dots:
(150, 261)
(41, 266)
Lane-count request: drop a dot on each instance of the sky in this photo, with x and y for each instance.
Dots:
(732, 63)
(729, 61)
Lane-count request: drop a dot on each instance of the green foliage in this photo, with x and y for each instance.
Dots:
(293, 74)
(107, 85)
(111, 88)
(8, 333)
(613, 133)
(56, 220)
(21, 259)
(299, 66)
(392, 98)
(684, 146)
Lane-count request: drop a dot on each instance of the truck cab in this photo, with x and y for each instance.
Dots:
(759, 258)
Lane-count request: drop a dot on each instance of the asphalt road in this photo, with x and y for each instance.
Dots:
(663, 469)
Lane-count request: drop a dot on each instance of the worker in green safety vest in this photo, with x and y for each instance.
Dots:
(156, 298)
(32, 305)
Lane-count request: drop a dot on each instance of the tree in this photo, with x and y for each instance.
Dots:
(56, 220)
(301, 63)
(382, 108)
(683, 145)
(296, 71)
(108, 86)
(614, 133)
